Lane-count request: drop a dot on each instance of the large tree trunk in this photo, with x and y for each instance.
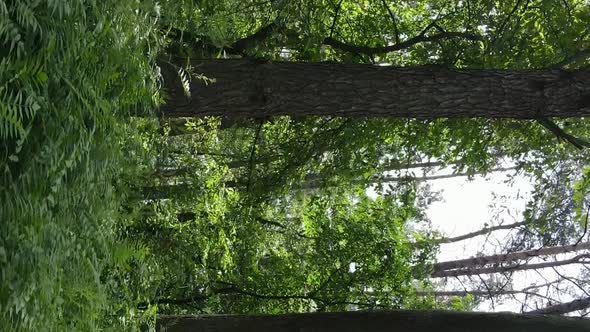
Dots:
(379, 321)
(250, 88)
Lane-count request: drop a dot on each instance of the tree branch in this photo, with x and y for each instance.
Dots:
(510, 257)
(503, 25)
(283, 227)
(470, 271)
(481, 293)
(563, 308)
(398, 46)
(482, 231)
(393, 20)
(240, 45)
(562, 135)
(337, 11)
(252, 153)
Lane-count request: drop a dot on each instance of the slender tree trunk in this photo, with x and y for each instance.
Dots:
(507, 258)
(377, 321)
(485, 293)
(474, 293)
(474, 270)
(485, 230)
(250, 88)
(438, 177)
(313, 181)
(564, 308)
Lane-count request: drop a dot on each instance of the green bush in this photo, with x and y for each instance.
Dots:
(70, 71)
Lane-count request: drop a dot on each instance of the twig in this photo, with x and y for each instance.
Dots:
(573, 282)
(503, 25)
(585, 227)
(421, 38)
(393, 20)
(337, 11)
(252, 153)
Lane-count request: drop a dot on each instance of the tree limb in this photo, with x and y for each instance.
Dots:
(482, 231)
(393, 20)
(561, 134)
(240, 45)
(336, 12)
(563, 308)
(367, 50)
(470, 271)
(510, 257)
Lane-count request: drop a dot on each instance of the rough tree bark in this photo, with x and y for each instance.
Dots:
(377, 321)
(251, 88)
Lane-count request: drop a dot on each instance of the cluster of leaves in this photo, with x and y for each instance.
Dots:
(69, 70)
(228, 237)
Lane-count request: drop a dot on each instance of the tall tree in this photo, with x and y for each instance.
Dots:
(506, 262)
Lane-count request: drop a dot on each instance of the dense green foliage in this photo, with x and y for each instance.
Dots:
(110, 214)
(69, 70)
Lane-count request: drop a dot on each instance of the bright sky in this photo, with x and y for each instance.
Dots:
(467, 206)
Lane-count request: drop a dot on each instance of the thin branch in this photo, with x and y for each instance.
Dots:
(337, 11)
(506, 269)
(488, 290)
(312, 180)
(233, 289)
(399, 46)
(252, 153)
(283, 227)
(563, 308)
(503, 25)
(585, 226)
(437, 177)
(554, 128)
(482, 293)
(393, 20)
(482, 231)
(510, 257)
(572, 281)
